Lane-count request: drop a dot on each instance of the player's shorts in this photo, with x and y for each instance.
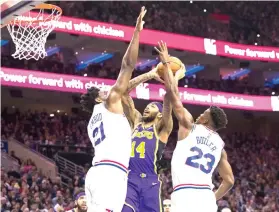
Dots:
(143, 193)
(193, 198)
(106, 187)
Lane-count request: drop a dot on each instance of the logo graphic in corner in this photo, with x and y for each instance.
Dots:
(108, 210)
(210, 46)
(142, 91)
(275, 103)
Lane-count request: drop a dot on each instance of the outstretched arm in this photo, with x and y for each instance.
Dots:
(128, 64)
(153, 74)
(225, 171)
(166, 123)
(132, 114)
(185, 119)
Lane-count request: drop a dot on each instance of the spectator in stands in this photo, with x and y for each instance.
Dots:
(247, 23)
(80, 202)
(256, 187)
(167, 205)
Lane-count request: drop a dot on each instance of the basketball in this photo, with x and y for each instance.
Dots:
(175, 65)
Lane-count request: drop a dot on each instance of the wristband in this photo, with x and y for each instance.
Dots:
(164, 63)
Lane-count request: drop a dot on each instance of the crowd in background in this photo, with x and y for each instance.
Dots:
(246, 22)
(238, 22)
(106, 70)
(254, 161)
(25, 189)
(254, 158)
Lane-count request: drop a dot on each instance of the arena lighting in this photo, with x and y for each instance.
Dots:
(51, 115)
(58, 111)
(192, 70)
(237, 74)
(146, 63)
(52, 51)
(4, 42)
(85, 75)
(256, 44)
(275, 81)
(258, 35)
(96, 59)
(273, 93)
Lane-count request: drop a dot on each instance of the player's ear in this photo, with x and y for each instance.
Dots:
(98, 100)
(159, 115)
(205, 121)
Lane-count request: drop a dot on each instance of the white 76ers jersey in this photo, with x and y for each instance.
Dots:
(196, 157)
(110, 135)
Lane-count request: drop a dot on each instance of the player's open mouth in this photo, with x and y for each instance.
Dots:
(145, 112)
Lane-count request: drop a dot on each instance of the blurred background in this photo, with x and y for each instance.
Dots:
(45, 148)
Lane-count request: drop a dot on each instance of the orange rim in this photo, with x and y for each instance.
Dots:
(40, 6)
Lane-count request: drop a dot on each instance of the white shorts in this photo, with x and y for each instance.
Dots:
(193, 200)
(105, 188)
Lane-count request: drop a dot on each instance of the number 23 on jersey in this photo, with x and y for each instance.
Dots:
(194, 161)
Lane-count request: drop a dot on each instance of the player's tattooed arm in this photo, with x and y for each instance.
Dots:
(185, 119)
(153, 74)
(225, 171)
(133, 115)
(128, 63)
(166, 124)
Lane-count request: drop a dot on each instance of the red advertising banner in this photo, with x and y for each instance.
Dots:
(77, 84)
(177, 41)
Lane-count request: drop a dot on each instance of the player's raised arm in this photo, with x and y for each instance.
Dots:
(132, 114)
(128, 63)
(166, 123)
(184, 117)
(153, 74)
(225, 171)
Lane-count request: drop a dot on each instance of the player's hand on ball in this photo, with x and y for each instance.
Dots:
(180, 73)
(140, 22)
(163, 51)
(156, 75)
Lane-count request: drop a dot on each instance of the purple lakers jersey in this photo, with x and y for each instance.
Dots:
(146, 150)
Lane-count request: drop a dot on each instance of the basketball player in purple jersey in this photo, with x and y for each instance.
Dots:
(150, 134)
(199, 151)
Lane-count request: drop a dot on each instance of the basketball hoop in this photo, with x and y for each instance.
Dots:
(29, 33)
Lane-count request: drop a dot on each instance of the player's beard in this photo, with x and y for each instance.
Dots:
(148, 119)
(80, 209)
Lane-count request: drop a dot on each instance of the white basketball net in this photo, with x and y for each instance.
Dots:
(29, 36)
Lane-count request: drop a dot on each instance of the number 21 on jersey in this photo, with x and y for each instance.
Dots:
(194, 162)
(99, 134)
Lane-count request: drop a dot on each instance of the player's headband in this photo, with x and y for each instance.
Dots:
(159, 105)
(79, 195)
